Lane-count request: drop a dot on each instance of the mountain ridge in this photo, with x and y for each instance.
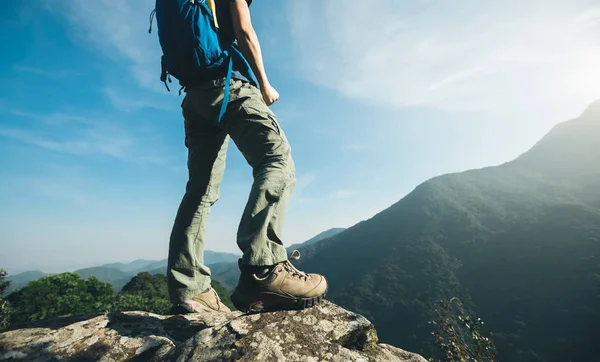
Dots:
(484, 236)
(118, 273)
(315, 239)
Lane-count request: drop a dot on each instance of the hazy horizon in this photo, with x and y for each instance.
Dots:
(92, 160)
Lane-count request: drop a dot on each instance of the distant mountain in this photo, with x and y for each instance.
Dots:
(322, 236)
(213, 257)
(20, 280)
(160, 270)
(115, 277)
(131, 267)
(26, 276)
(161, 264)
(138, 266)
(519, 244)
(227, 270)
(118, 274)
(226, 273)
(102, 273)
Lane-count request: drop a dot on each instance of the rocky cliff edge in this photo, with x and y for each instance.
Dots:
(323, 333)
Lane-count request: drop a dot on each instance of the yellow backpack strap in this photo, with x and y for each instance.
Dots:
(213, 9)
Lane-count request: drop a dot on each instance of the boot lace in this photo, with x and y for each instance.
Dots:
(218, 299)
(291, 269)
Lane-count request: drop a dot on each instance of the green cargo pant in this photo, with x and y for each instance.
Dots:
(254, 129)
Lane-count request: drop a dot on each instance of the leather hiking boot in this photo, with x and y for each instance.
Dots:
(281, 287)
(208, 301)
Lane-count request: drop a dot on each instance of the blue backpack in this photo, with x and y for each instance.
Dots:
(188, 32)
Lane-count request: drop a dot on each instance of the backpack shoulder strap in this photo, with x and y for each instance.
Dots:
(213, 9)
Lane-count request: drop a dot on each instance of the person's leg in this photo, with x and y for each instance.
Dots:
(207, 149)
(257, 134)
(268, 280)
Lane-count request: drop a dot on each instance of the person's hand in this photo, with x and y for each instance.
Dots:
(269, 94)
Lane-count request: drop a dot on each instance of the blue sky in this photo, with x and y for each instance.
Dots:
(376, 97)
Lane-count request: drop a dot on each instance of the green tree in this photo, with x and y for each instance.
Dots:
(4, 306)
(459, 336)
(223, 293)
(60, 295)
(147, 285)
(148, 293)
(144, 292)
(134, 302)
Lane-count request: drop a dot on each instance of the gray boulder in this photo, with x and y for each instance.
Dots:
(323, 333)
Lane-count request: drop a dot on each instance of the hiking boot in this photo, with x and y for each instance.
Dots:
(208, 301)
(279, 287)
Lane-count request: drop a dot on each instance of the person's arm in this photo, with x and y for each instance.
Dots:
(250, 47)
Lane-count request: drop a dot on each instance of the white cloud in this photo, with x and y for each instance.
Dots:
(87, 143)
(302, 191)
(129, 103)
(43, 72)
(343, 194)
(492, 55)
(474, 55)
(81, 136)
(53, 119)
(118, 29)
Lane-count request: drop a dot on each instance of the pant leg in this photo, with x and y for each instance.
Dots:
(255, 130)
(207, 148)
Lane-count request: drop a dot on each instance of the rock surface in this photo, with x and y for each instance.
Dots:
(323, 333)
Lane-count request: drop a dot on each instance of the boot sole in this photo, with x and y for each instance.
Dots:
(269, 302)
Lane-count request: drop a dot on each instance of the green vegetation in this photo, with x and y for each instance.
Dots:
(144, 292)
(59, 295)
(519, 243)
(227, 274)
(317, 238)
(223, 293)
(20, 280)
(4, 307)
(70, 294)
(149, 293)
(147, 285)
(459, 336)
(118, 274)
(115, 277)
